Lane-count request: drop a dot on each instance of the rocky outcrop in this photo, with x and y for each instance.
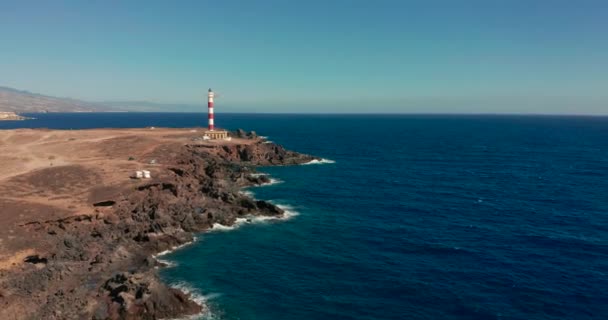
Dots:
(140, 295)
(101, 264)
(8, 116)
(260, 153)
(240, 133)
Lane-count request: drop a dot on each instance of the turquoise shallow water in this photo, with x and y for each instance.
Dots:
(423, 217)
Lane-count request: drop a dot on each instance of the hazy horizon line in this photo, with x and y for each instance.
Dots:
(346, 113)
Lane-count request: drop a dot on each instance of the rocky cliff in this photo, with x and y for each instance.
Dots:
(101, 264)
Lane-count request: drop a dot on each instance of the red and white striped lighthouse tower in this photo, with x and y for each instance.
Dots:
(211, 133)
(210, 106)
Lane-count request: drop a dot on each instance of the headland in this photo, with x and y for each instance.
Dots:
(79, 230)
(10, 116)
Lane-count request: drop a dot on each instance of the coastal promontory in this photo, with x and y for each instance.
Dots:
(80, 226)
(10, 116)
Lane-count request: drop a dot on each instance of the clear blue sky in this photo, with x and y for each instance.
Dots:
(538, 56)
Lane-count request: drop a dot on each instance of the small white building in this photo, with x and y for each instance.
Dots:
(216, 134)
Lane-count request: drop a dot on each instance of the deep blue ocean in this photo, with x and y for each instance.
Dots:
(420, 217)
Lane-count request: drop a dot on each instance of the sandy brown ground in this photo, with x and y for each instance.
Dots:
(53, 174)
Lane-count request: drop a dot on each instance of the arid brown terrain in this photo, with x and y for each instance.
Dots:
(77, 231)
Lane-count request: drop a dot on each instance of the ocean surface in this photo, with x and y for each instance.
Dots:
(418, 217)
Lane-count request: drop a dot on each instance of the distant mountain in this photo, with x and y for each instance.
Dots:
(146, 106)
(20, 101)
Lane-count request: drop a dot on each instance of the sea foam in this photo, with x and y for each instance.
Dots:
(258, 174)
(199, 298)
(247, 193)
(271, 182)
(288, 213)
(316, 161)
(167, 263)
(175, 248)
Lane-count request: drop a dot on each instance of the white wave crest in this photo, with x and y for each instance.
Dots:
(268, 141)
(213, 295)
(247, 193)
(160, 254)
(197, 297)
(316, 161)
(167, 263)
(271, 182)
(220, 227)
(288, 213)
(186, 288)
(257, 174)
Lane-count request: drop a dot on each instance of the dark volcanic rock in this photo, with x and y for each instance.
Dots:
(141, 296)
(240, 133)
(100, 266)
(259, 153)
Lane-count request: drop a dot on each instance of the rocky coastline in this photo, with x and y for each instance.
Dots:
(101, 263)
(11, 116)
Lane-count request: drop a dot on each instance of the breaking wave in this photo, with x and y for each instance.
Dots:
(288, 213)
(322, 161)
(199, 298)
(247, 193)
(167, 263)
(257, 174)
(271, 182)
(160, 254)
(220, 227)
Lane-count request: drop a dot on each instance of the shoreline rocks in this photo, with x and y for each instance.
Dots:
(102, 266)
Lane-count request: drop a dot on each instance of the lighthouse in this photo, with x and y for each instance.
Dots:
(211, 133)
(210, 95)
